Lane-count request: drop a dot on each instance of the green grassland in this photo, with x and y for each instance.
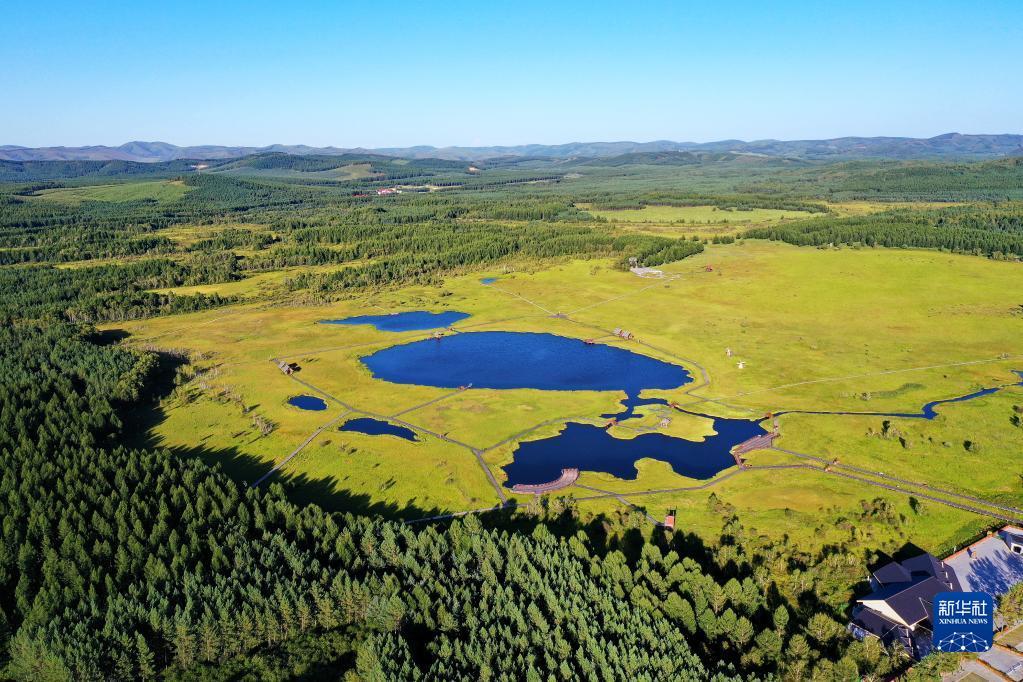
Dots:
(355, 171)
(155, 300)
(834, 329)
(162, 191)
(705, 222)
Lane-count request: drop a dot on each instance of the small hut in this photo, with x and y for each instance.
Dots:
(285, 367)
(669, 520)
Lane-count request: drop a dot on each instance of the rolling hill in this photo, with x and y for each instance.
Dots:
(947, 146)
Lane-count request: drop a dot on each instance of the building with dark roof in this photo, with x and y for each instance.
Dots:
(899, 608)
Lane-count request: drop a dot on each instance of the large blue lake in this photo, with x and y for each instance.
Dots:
(516, 360)
(509, 360)
(416, 320)
(523, 360)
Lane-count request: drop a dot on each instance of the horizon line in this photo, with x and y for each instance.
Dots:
(521, 144)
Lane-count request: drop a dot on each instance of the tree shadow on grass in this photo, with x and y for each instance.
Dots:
(142, 419)
(303, 489)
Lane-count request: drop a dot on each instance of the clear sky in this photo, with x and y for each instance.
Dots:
(488, 72)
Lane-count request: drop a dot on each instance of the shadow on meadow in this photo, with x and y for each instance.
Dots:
(142, 419)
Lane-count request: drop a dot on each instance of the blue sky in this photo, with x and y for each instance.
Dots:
(482, 73)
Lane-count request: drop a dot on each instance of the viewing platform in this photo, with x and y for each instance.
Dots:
(567, 478)
(756, 443)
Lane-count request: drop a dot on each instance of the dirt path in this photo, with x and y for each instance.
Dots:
(523, 298)
(351, 409)
(904, 482)
(280, 465)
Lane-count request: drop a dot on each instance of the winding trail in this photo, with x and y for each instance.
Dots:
(659, 283)
(428, 402)
(876, 374)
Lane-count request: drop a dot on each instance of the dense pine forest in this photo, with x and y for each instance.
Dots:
(130, 564)
(125, 563)
(994, 230)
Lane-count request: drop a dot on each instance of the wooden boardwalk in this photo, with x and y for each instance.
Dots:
(567, 478)
(762, 442)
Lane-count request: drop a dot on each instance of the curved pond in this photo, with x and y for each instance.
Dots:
(592, 448)
(377, 427)
(507, 360)
(308, 402)
(416, 320)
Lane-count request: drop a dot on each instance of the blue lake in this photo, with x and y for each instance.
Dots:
(488, 280)
(307, 402)
(508, 360)
(592, 448)
(526, 360)
(416, 320)
(376, 427)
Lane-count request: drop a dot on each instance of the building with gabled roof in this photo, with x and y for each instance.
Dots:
(900, 607)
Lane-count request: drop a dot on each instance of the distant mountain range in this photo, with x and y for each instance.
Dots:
(950, 145)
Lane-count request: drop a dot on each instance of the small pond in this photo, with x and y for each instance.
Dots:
(488, 280)
(377, 427)
(416, 320)
(308, 402)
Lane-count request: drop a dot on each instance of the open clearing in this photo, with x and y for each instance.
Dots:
(163, 191)
(819, 329)
(696, 215)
